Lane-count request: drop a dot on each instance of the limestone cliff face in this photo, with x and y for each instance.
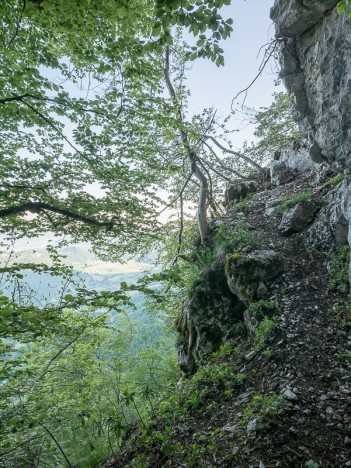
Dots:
(316, 69)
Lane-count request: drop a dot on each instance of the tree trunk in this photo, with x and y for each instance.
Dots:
(192, 158)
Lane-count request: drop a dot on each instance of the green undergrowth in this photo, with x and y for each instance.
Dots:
(238, 330)
(264, 312)
(262, 411)
(234, 237)
(212, 377)
(342, 311)
(195, 397)
(335, 180)
(339, 269)
(262, 308)
(295, 199)
(265, 332)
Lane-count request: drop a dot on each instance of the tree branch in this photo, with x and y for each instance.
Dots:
(222, 165)
(37, 207)
(266, 57)
(57, 443)
(180, 194)
(222, 176)
(235, 153)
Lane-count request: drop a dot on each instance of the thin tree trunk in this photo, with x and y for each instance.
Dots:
(192, 158)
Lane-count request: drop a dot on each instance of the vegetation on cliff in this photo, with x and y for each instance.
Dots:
(89, 141)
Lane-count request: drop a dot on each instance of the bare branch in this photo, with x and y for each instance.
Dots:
(222, 176)
(266, 57)
(235, 153)
(180, 194)
(229, 169)
(201, 214)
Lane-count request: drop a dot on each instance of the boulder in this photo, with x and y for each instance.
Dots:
(280, 173)
(238, 190)
(330, 227)
(297, 158)
(297, 218)
(247, 273)
(209, 313)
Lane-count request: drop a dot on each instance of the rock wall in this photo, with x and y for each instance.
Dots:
(315, 56)
(209, 313)
(316, 69)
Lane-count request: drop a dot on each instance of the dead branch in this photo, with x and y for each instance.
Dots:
(229, 169)
(266, 57)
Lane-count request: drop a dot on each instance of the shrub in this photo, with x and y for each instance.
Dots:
(264, 332)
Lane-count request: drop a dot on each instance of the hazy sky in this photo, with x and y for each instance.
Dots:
(213, 86)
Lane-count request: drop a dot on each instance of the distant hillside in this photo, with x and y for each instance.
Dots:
(80, 258)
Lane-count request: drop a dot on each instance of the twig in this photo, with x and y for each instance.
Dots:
(267, 55)
(229, 169)
(18, 24)
(222, 176)
(179, 194)
(18, 446)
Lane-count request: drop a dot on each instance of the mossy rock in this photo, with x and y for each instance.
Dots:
(245, 273)
(208, 316)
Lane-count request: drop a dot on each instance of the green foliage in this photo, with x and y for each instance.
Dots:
(295, 199)
(199, 17)
(239, 329)
(339, 268)
(226, 349)
(266, 409)
(276, 126)
(86, 383)
(235, 237)
(260, 309)
(264, 332)
(342, 311)
(345, 357)
(336, 180)
(275, 129)
(311, 464)
(195, 392)
(344, 6)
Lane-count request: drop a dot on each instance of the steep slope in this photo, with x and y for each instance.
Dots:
(281, 395)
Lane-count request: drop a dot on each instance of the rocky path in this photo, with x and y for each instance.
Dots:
(310, 363)
(301, 379)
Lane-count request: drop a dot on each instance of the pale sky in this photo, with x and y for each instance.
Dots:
(213, 86)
